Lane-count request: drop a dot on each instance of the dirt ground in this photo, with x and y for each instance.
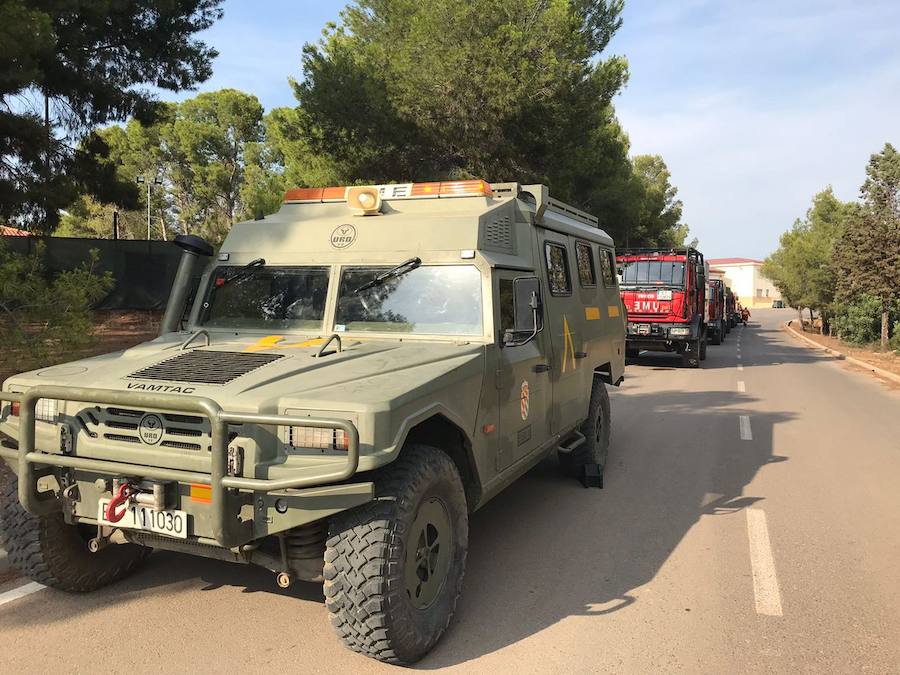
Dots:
(114, 330)
(889, 361)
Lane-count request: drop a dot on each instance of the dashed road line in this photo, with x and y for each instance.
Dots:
(21, 592)
(762, 562)
(746, 432)
(740, 367)
(741, 387)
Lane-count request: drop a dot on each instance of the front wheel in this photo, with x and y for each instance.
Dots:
(54, 553)
(394, 567)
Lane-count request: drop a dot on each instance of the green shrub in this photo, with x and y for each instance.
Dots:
(859, 322)
(45, 317)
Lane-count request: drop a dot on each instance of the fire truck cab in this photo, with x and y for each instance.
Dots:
(664, 294)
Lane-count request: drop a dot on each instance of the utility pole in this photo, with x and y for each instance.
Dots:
(155, 181)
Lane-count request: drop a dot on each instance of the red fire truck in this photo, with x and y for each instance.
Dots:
(664, 293)
(715, 321)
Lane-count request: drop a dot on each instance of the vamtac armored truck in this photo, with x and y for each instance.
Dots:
(664, 293)
(357, 374)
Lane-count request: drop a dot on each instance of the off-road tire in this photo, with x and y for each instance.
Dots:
(596, 428)
(632, 352)
(690, 357)
(703, 344)
(366, 558)
(717, 335)
(54, 553)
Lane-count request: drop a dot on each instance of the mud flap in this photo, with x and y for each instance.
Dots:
(592, 476)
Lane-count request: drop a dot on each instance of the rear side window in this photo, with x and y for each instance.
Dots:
(607, 266)
(584, 258)
(558, 269)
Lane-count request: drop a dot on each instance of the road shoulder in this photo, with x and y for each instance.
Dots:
(865, 365)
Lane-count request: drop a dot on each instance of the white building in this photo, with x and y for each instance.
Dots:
(744, 276)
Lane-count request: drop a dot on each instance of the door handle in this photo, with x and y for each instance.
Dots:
(580, 355)
(541, 368)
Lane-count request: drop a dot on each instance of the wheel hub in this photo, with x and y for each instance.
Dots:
(428, 552)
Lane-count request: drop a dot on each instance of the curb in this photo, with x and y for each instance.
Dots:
(881, 372)
(4, 562)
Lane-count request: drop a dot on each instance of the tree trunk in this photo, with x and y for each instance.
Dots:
(812, 323)
(885, 321)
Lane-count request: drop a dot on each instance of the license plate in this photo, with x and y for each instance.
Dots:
(663, 295)
(139, 517)
(643, 329)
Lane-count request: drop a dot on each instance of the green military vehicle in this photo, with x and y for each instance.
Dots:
(353, 376)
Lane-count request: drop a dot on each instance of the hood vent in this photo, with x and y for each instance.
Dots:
(205, 367)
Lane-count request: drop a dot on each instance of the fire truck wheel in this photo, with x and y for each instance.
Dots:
(717, 335)
(596, 428)
(703, 348)
(690, 357)
(54, 553)
(394, 566)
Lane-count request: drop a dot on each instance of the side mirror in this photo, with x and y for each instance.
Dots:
(528, 309)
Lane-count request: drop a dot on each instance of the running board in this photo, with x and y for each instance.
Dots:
(577, 441)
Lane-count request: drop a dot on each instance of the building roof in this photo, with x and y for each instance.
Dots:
(13, 232)
(733, 261)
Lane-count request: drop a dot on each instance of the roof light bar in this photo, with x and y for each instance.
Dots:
(433, 190)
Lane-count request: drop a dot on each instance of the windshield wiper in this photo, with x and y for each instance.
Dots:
(399, 270)
(244, 272)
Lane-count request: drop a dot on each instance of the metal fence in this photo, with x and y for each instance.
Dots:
(143, 270)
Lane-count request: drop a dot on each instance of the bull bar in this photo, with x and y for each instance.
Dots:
(225, 531)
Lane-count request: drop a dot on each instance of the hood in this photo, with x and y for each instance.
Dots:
(272, 373)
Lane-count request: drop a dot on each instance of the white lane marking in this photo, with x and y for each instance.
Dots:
(762, 562)
(21, 592)
(746, 433)
(741, 386)
(739, 356)
(740, 367)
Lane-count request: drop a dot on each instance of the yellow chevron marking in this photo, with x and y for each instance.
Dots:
(274, 342)
(569, 348)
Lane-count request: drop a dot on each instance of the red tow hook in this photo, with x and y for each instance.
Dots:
(120, 499)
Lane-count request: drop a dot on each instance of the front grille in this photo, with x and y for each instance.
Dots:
(120, 425)
(205, 367)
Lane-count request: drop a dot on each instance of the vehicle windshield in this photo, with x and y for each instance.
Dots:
(653, 273)
(266, 298)
(436, 300)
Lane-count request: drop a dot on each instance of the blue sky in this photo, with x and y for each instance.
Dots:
(755, 106)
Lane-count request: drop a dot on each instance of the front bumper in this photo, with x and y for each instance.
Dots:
(660, 334)
(228, 494)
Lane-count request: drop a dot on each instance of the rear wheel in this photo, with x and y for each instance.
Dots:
(716, 336)
(703, 348)
(595, 448)
(394, 567)
(54, 553)
(632, 352)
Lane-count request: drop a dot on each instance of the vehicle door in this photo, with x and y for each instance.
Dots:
(564, 328)
(524, 394)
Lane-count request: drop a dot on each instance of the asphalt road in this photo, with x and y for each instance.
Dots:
(750, 523)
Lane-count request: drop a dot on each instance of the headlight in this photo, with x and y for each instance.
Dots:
(46, 409)
(317, 438)
(679, 331)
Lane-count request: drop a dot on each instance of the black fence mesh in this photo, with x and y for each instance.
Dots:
(143, 270)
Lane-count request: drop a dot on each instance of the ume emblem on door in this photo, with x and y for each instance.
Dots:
(523, 399)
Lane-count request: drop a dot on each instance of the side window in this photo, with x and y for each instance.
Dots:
(607, 267)
(584, 258)
(507, 305)
(558, 269)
